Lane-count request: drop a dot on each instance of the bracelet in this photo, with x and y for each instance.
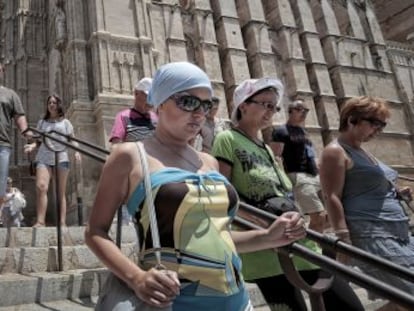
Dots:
(341, 231)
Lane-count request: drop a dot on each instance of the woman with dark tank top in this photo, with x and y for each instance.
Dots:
(194, 207)
(360, 192)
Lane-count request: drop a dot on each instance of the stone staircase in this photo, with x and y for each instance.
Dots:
(30, 280)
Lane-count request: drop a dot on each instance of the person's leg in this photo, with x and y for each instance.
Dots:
(43, 175)
(279, 294)
(4, 171)
(305, 192)
(317, 221)
(340, 296)
(63, 172)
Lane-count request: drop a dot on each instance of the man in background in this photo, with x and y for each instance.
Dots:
(134, 124)
(291, 142)
(10, 108)
(211, 127)
(138, 122)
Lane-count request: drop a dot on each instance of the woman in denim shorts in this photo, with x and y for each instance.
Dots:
(53, 120)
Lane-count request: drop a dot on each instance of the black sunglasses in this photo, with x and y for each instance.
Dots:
(377, 123)
(302, 109)
(268, 105)
(191, 103)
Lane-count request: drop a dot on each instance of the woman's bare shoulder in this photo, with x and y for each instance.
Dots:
(333, 149)
(208, 160)
(123, 153)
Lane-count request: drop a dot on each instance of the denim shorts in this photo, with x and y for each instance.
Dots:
(61, 165)
(4, 168)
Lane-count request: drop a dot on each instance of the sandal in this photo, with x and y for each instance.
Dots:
(38, 225)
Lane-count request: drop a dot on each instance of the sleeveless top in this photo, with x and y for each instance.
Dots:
(369, 193)
(193, 213)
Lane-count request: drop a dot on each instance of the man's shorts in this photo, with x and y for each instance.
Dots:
(4, 168)
(306, 192)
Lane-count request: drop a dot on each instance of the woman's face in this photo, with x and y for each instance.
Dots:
(369, 127)
(52, 106)
(180, 122)
(260, 108)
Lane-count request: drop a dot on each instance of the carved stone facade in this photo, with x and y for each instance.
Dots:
(92, 53)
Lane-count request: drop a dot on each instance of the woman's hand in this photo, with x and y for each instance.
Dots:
(28, 148)
(157, 287)
(287, 228)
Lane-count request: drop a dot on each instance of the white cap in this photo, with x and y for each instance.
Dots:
(250, 87)
(143, 85)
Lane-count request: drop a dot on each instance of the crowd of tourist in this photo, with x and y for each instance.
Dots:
(179, 172)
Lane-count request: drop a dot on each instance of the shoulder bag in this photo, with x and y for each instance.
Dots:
(115, 294)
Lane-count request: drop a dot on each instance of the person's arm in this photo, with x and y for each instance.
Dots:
(21, 123)
(278, 138)
(153, 286)
(333, 165)
(286, 229)
(71, 133)
(118, 132)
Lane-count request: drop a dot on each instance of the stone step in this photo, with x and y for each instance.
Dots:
(43, 259)
(38, 290)
(47, 236)
(18, 289)
(85, 304)
(78, 290)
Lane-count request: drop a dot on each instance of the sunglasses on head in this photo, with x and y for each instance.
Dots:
(271, 106)
(190, 103)
(377, 123)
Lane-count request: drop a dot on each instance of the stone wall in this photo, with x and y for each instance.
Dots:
(92, 52)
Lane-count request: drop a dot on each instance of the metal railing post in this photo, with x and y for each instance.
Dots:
(58, 213)
(119, 227)
(79, 205)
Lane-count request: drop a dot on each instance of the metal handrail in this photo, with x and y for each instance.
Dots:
(324, 262)
(336, 245)
(328, 264)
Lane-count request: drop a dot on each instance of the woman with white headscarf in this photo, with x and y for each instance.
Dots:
(194, 206)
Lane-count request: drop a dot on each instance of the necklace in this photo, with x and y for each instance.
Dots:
(255, 140)
(195, 166)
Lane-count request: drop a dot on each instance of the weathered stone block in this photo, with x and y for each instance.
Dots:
(229, 33)
(31, 259)
(320, 80)
(313, 51)
(224, 8)
(296, 78)
(249, 10)
(279, 13)
(257, 38)
(26, 293)
(210, 55)
(263, 65)
(237, 69)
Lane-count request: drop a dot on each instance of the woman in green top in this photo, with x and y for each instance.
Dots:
(249, 165)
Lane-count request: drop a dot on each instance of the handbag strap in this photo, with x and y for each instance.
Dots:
(149, 200)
